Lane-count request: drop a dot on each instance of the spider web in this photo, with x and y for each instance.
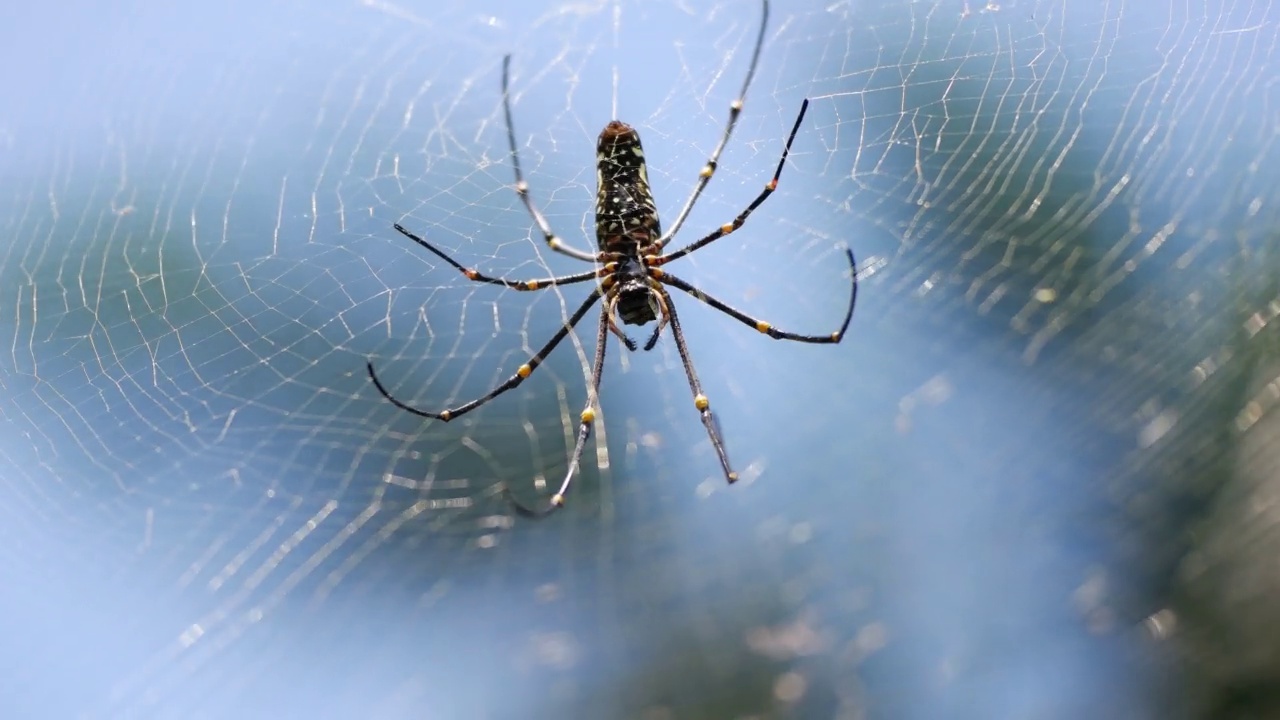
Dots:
(1035, 480)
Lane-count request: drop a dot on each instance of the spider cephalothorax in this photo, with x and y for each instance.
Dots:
(634, 298)
(629, 274)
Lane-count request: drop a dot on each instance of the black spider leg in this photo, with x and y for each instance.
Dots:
(610, 306)
(735, 109)
(653, 339)
(742, 217)
(763, 326)
(663, 316)
(476, 276)
(518, 377)
(699, 400)
(522, 187)
(584, 430)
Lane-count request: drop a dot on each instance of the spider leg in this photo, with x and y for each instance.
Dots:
(610, 311)
(477, 276)
(663, 316)
(763, 326)
(699, 400)
(742, 217)
(735, 109)
(518, 377)
(522, 187)
(584, 430)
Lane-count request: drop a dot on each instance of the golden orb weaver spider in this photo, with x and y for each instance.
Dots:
(629, 261)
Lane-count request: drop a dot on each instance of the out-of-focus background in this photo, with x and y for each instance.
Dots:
(1038, 479)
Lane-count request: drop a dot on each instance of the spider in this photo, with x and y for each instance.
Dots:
(629, 274)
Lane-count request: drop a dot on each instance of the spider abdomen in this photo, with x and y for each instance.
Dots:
(626, 217)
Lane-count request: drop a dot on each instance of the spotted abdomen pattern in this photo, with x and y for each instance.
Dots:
(626, 218)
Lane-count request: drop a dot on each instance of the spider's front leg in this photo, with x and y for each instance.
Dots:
(700, 400)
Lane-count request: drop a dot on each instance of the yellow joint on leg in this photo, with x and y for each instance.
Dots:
(736, 104)
(588, 416)
(763, 326)
(726, 228)
(835, 336)
(701, 402)
(522, 187)
(707, 171)
(471, 274)
(656, 272)
(524, 370)
(531, 285)
(446, 415)
(771, 185)
(557, 500)
(553, 241)
(733, 477)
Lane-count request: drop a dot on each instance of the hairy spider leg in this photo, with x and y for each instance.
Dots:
(700, 400)
(522, 187)
(516, 378)
(586, 420)
(761, 325)
(477, 276)
(735, 109)
(741, 219)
